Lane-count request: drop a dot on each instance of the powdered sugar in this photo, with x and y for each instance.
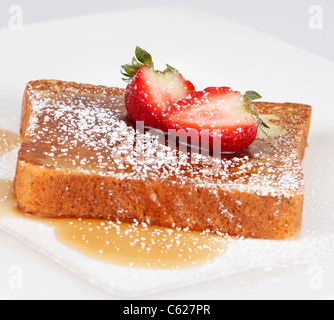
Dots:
(93, 134)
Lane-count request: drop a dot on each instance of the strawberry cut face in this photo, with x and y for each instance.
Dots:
(163, 89)
(217, 114)
(204, 110)
(151, 93)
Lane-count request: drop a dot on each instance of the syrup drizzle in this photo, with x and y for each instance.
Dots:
(125, 244)
(118, 243)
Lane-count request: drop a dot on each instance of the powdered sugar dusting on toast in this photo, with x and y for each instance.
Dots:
(91, 133)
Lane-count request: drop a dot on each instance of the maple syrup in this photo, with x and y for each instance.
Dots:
(8, 141)
(124, 244)
(118, 243)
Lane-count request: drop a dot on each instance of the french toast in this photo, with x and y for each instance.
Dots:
(82, 157)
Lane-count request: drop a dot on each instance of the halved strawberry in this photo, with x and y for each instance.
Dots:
(224, 120)
(151, 93)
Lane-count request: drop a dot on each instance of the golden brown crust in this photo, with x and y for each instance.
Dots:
(265, 202)
(51, 193)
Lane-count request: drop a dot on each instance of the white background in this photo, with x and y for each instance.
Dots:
(285, 19)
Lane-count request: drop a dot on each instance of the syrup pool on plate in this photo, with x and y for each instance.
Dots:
(125, 244)
(8, 141)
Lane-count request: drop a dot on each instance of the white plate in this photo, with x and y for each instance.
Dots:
(210, 51)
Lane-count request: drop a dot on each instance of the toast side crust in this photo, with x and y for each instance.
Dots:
(268, 204)
(58, 194)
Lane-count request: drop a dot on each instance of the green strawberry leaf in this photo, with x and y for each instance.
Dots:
(131, 70)
(250, 97)
(144, 57)
(141, 59)
(170, 68)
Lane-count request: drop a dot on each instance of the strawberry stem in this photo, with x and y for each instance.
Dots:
(170, 68)
(142, 58)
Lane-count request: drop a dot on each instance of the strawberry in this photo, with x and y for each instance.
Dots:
(151, 93)
(224, 120)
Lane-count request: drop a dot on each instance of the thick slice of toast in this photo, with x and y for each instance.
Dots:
(82, 157)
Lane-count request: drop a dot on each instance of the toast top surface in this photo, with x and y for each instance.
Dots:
(84, 128)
